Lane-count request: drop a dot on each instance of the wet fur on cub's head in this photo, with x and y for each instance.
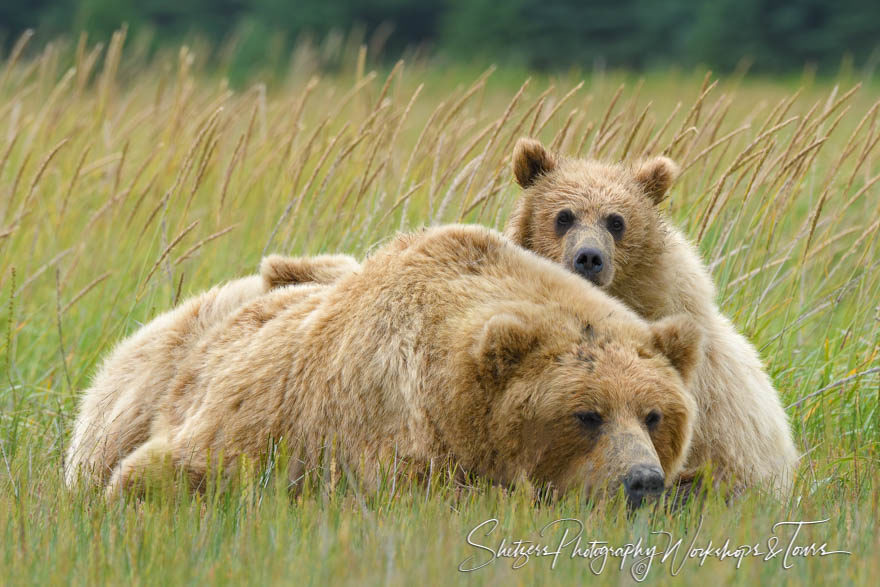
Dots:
(597, 219)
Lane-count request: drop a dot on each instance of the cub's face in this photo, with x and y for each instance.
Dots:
(596, 219)
(589, 409)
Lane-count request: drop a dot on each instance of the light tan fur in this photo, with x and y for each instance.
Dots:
(742, 429)
(116, 412)
(451, 343)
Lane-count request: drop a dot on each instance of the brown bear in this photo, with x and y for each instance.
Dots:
(115, 413)
(600, 221)
(451, 343)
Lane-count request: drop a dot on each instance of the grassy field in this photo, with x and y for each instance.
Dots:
(127, 183)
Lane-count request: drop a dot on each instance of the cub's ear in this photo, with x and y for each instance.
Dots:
(503, 343)
(530, 161)
(680, 339)
(655, 176)
(278, 271)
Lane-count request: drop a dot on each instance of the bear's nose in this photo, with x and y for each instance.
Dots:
(642, 481)
(589, 262)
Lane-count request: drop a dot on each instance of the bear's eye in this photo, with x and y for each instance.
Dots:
(564, 221)
(591, 420)
(652, 419)
(616, 225)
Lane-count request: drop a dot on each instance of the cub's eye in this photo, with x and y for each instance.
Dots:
(591, 420)
(652, 419)
(564, 221)
(616, 225)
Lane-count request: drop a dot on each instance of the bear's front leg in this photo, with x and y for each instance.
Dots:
(151, 462)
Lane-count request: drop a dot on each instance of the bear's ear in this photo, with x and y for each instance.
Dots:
(655, 176)
(503, 343)
(530, 161)
(278, 271)
(680, 339)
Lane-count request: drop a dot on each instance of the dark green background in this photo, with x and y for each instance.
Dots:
(771, 36)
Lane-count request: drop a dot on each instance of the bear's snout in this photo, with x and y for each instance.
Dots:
(643, 481)
(590, 263)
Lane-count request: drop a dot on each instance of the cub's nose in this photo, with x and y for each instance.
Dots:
(642, 481)
(589, 263)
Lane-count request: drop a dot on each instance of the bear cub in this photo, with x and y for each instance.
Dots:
(601, 221)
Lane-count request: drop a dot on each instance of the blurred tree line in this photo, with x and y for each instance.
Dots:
(774, 35)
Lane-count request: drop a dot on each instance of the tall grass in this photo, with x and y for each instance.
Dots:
(127, 183)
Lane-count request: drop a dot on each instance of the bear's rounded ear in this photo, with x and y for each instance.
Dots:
(655, 176)
(503, 343)
(530, 161)
(278, 271)
(680, 339)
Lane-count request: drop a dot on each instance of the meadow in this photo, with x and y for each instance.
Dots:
(129, 181)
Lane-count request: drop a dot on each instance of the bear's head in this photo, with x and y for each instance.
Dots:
(596, 219)
(573, 404)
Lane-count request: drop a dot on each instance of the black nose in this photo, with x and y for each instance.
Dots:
(589, 262)
(643, 481)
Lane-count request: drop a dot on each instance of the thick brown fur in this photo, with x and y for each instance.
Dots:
(742, 429)
(450, 343)
(116, 412)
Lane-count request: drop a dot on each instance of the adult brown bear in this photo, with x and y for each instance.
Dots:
(451, 343)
